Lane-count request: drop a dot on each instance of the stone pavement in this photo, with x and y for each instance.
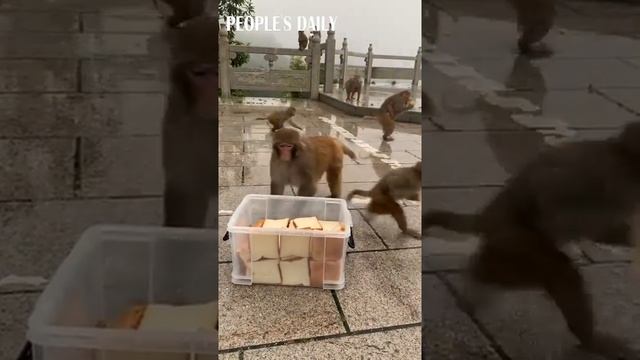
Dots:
(493, 111)
(82, 88)
(377, 314)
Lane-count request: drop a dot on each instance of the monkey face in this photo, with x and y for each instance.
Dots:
(286, 143)
(202, 74)
(291, 111)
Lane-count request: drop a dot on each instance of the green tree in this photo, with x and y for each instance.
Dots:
(297, 63)
(236, 8)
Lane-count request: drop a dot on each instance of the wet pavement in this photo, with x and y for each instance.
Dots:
(377, 314)
(492, 111)
(82, 88)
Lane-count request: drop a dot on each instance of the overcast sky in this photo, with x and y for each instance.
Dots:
(391, 31)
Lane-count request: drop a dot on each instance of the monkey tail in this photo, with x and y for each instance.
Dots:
(365, 193)
(348, 151)
(464, 223)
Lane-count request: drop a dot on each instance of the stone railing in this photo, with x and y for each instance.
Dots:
(308, 80)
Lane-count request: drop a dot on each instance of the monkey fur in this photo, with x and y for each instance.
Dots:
(277, 119)
(397, 184)
(588, 189)
(393, 106)
(353, 86)
(301, 161)
(535, 19)
(190, 124)
(303, 40)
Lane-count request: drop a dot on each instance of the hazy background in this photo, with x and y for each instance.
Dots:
(391, 31)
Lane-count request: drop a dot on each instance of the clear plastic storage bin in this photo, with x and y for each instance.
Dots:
(111, 269)
(289, 256)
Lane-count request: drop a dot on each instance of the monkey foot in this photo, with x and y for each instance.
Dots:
(387, 138)
(412, 233)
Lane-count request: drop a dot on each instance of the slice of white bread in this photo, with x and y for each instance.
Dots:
(331, 226)
(275, 224)
(295, 272)
(310, 223)
(180, 318)
(265, 272)
(294, 246)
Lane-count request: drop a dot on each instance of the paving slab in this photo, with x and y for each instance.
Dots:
(14, 312)
(261, 314)
(61, 46)
(36, 169)
(70, 115)
(229, 356)
(231, 196)
(38, 75)
(447, 332)
(387, 228)
(39, 21)
(124, 75)
(103, 23)
(382, 289)
(488, 156)
(123, 166)
(527, 324)
(625, 97)
(395, 344)
(38, 236)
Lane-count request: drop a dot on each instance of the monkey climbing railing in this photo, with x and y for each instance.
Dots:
(317, 73)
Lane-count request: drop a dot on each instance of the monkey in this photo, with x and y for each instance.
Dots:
(352, 86)
(534, 18)
(301, 161)
(277, 119)
(303, 40)
(190, 123)
(182, 10)
(584, 189)
(397, 184)
(393, 106)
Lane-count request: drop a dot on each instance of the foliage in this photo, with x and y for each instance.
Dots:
(236, 8)
(297, 63)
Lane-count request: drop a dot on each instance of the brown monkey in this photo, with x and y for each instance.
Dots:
(352, 86)
(277, 119)
(301, 161)
(190, 125)
(393, 106)
(303, 40)
(588, 189)
(535, 18)
(183, 10)
(397, 184)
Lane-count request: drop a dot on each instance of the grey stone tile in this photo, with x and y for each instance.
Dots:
(60, 46)
(229, 176)
(36, 237)
(522, 321)
(447, 332)
(364, 235)
(382, 289)
(124, 75)
(102, 23)
(260, 314)
(626, 97)
(387, 228)
(128, 166)
(240, 159)
(39, 21)
(80, 115)
(486, 158)
(396, 344)
(230, 146)
(35, 169)
(14, 312)
(231, 196)
(229, 356)
(38, 75)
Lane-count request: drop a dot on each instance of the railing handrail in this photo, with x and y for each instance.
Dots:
(268, 50)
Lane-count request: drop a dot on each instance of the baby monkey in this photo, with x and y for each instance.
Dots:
(352, 86)
(277, 119)
(397, 184)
